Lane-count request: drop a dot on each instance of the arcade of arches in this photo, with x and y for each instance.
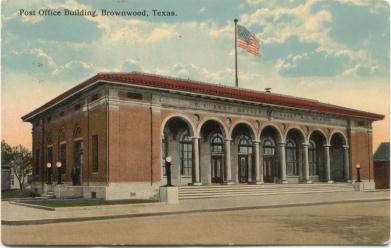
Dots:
(213, 153)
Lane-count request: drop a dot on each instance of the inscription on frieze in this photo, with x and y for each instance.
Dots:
(313, 117)
(241, 109)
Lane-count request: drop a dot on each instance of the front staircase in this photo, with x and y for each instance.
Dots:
(235, 190)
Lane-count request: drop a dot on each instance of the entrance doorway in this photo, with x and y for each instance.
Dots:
(268, 169)
(243, 169)
(217, 169)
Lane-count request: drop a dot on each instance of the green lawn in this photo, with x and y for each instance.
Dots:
(16, 193)
(56, 203)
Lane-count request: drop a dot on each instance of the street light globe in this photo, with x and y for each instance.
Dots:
(169, 159)
(58, 164)
(358, 166)
(49, 165)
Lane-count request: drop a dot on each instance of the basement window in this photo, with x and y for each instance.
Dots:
(133, 95)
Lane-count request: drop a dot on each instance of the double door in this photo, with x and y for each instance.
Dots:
(269, 169)
(243, 168)
(217, 169)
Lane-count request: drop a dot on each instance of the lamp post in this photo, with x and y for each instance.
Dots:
(49, 166)
(358, 166)
(168, 170)
(58, 165)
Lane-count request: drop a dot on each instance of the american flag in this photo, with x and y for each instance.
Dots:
(248, 41)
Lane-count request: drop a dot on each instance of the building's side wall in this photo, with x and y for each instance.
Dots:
(91, 119)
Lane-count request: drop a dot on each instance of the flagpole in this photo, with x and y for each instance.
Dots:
(236, 56)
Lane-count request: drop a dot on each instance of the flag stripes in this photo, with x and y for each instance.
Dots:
(248, 41)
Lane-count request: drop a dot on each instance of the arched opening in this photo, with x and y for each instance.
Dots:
(316, 156)
(212, 152)
(337, 157)
(294, 155)
(242, 158)
(177, 143)
(269, 142)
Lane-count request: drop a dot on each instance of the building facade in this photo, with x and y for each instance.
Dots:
(113, 132)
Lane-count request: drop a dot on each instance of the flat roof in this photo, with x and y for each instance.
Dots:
(207, 89)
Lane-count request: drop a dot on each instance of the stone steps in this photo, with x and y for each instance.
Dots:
(213, 191)
(49, 195)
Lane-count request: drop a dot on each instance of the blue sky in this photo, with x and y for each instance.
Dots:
(334, 51)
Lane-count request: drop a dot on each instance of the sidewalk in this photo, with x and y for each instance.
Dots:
(20, 215)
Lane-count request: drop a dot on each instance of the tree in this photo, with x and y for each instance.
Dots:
(6, 153)
(19, 159)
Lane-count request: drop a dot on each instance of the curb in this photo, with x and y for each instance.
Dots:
(93, 218)
(81, 207)
(33, 206)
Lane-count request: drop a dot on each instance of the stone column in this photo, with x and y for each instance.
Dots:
(327, 162)
(283, 162)
(346, 163)
(258, 167)
(196, 160)
(227, 147)
(306, 163)
(260, 162)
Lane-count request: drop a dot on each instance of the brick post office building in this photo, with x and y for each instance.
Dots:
(112, 132)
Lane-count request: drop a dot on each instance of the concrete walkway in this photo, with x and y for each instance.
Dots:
(20, 215)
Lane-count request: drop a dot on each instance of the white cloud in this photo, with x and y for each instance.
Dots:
(74, 69)
(161, 33)
(373, 6)
(361, 70)
(39, 53)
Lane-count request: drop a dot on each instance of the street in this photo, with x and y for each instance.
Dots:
(352, 223)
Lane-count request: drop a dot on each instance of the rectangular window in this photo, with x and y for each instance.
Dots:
(36, 165)
(186, 158)
(78, 159)
(63, 158)
(94, 97)
(95, 153)
(133, 95)
(77, 106)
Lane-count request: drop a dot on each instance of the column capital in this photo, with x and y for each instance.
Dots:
(345, 147)
(256, 141)
(227, 139)
(196, 137)
(305, 144)
(327, 146)
(281, 143)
